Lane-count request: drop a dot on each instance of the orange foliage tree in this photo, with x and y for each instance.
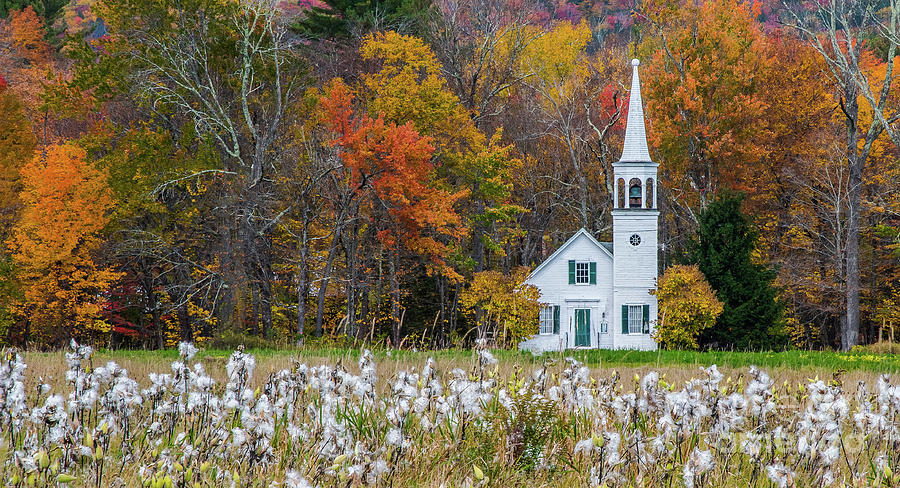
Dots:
(66, 202)
(390, 170)
(28, 35)
(702, 90)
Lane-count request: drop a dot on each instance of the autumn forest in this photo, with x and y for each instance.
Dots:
(388, 171)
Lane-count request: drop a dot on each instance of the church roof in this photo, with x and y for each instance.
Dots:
(635, 147)
(606, 246)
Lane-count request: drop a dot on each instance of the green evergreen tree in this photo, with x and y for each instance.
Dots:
(753, 314)
(342, 18)
(48, 9)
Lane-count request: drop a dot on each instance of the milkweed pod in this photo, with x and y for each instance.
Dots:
(43, 460)
(65, 478)
(479, 475)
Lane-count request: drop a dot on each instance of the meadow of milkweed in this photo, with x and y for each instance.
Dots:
(464, 423)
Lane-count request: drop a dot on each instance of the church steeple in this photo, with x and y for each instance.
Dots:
(635, 149)
(635, 232)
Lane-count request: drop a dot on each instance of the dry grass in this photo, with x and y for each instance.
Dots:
(50, 367)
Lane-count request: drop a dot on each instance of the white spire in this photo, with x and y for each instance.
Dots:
(635, 149)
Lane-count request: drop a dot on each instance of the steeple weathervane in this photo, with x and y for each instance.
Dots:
(635, 149)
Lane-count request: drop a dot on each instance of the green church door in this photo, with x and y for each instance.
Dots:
(582, 327)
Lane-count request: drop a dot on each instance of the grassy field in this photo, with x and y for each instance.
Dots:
(792, 366)
(810, 361)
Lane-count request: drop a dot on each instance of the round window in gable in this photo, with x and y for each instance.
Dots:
(635, 239)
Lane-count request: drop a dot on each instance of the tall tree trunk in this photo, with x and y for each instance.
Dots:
(438, 341)
(850, 325)
(395, 299)
(850, 335)
(254, 307)
(454, 308)
(227, 307)
(152, 302)
(303, 280)
(362, 331)
(264, 283)
(184, 322)
(350, 251)
(326, 277)
(265, 304)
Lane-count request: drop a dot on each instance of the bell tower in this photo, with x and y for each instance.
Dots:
(635, 232)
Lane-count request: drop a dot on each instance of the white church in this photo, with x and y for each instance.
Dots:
(597, 294)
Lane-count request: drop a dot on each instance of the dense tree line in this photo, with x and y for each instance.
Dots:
(375, 171)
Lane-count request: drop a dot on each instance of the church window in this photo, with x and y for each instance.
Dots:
(634, 193)
(621, 192)
(635, 319)
(649, 198)
(549, 320)
(582, 272)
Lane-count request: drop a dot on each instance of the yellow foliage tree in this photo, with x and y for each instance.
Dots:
(509, 306)
(66, 202)
(409, 87)
(557, 60)
(687, 305)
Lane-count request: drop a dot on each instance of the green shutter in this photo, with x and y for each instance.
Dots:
(556, 319)
(571, 272)
(624, 319)
(593, 273)
(646, 319)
